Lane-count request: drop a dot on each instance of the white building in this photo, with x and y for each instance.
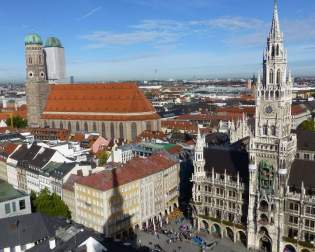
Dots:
(13, 202)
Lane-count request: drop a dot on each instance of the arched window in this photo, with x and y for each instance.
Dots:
(271, 77)
(273, 51)
(133, 131)
(112, 130)
(273, 130)
(149, 126)
(265, 130)
(103, 130)
(77, 127)
(86, 127)
(61, 125)
(278, 76)
(69, 126)
(30, 60)
(94, 126)
(121, 131)
(278, 50)
(45, 124)
(40, 59)
(53, 125)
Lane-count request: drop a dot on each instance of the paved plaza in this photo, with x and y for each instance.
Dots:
(161, 242)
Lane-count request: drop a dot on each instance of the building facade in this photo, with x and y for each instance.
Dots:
(260, 190)
(124, 197)
(13, 202)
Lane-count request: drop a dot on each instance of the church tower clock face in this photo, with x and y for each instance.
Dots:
(268, 109)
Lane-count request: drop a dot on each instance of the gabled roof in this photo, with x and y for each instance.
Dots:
(112, 101)
(305, 140)
(21, 229)
(133, 170)
(302, 171)
(33, 156)
(233, 161)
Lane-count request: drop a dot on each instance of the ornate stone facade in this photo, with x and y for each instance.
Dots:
(267, 203)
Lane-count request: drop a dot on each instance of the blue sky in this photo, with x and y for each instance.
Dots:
(148, 39)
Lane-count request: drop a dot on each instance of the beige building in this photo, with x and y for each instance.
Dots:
(124, 197)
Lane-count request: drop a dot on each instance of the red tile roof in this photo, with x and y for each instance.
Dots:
(112, 101)
(133, 170)
(297, 109)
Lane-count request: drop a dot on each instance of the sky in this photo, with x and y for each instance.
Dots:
(157, 39)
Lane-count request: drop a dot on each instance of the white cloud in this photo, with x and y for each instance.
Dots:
(165, 32)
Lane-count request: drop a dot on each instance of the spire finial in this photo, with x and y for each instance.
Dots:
(275, 28)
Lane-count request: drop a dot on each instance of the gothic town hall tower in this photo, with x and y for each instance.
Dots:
(272, 148)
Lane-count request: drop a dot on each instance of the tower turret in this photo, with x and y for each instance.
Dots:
(36, 79)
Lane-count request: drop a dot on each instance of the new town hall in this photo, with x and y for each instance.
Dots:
(260, 189)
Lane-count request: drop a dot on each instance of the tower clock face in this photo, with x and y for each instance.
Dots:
(268, 110)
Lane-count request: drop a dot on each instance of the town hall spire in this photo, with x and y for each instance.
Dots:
(275, 27)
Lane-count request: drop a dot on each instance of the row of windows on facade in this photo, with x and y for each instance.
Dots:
(307, 223)
(308, 209)
(306, 156)
(219, 191)
(8, 208)
(40, 60)
(293, 233)
(112, 128)
(218, 202)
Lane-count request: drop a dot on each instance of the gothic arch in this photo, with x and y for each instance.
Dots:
(94, 126)
(265, 130)
(121, 130)
(273, 130)
(204, 225)
(134, 133)
(77, 126)
(289, 248)
(216, 229)
(271, 76)
(112, 130)
(278, 76)
(230, 233)
(149, 126)
(278, 50)
(242, 238)
(61, 125)
(53, 125)
(103, 130)
(86, 127)
(273, 51)
(69, 126)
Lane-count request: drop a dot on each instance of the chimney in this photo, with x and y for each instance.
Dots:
(52, 243)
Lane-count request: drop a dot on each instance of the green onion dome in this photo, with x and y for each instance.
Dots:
(33, 39)
(53, 42)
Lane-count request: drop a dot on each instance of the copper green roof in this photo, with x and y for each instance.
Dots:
(7, 192)
(53, 42)
(33, 39)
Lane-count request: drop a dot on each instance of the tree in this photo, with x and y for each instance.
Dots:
(308, 125)
(102, 157)
(18, 122)
(50, 203)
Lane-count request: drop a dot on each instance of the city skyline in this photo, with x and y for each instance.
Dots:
(127, 40)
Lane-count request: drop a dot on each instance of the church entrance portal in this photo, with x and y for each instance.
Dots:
(265, 244)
